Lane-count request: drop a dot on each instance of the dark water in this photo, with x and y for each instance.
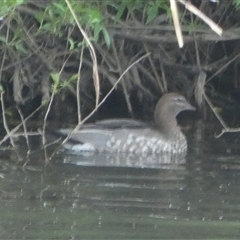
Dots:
(79, 197)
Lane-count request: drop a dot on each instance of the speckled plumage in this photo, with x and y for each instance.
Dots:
(134, 136)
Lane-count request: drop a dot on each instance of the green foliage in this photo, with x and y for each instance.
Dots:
(154, 7)
(59, 85)
(72, 44)
(57, 15)
(151, 13)
(56, 18)
(15, 43)
(7, 9)
(56, 82)
(9, 5)
(236, 3)
(149, 8)
(66, 83)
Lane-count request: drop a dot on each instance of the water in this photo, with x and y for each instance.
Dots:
(73, 197)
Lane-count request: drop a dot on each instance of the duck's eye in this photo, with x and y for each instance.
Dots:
(179, 100)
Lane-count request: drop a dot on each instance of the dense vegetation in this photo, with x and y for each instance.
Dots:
(73, 52)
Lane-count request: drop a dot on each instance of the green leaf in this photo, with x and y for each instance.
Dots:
(3, 39)
(94, 16)
(19, 2)
(60, 7)
(106, 37)
(237, 4)
(55, 78)
(96, 31)
(152, 13)
(40, 16)
(48, 27)
(19, 46)
(73, 78)
(17, 34)
(120, 11)
(72, 44)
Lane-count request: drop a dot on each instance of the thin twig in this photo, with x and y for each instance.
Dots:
(161, 84)
(25, 135)
(227, 130)
(48, 111)
(7, 128)
(24, 128)
(225, 127)
(78, 86)
(11, 133)
(214, 111)
(92, 53)
(201, 15)
(223, 67)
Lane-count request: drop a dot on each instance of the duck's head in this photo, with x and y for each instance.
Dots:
(168, 107)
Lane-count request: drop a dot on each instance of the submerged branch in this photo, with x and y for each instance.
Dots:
(225, 129)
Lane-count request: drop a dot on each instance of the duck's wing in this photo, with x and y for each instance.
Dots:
(112, 140)
(115, 123)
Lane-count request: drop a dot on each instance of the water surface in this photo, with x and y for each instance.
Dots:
(79, 197)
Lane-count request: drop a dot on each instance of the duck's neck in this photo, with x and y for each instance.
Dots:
(167, 124)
